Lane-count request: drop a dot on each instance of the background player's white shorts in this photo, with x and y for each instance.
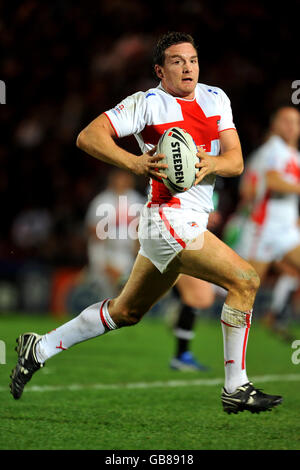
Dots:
(164, 231)
(269, 242)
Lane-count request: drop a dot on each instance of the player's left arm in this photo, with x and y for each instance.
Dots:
(229, 163)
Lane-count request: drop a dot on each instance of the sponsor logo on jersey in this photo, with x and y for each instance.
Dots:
(193, 224)
(119, 108)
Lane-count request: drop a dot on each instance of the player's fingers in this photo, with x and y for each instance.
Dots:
(202, 155)
(199, 176)
(156, 178)
(197, 181)
(157, 157)
(152, 151)
(157, 175)
(158, 165)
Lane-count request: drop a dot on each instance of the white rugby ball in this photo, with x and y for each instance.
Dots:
(180, 152)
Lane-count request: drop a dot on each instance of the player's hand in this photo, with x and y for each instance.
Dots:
(149, 164)
(206, 166)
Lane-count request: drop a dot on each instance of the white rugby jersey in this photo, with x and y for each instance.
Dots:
(270, 206)
(148, 114)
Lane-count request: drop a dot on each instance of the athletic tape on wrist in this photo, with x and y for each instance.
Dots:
(233, 317)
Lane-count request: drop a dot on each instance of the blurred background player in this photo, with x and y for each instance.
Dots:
(112, 220)
(274, 314)
(270, 194)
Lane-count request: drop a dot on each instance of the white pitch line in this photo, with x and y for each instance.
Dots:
(145, 385)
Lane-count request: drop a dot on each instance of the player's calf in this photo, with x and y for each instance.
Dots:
(125, 315)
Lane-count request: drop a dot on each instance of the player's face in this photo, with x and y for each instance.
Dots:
(287, 125)
(180, 72)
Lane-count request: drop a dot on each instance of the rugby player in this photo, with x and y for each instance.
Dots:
(179, 242)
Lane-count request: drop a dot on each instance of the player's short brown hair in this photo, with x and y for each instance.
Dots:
(167, 40)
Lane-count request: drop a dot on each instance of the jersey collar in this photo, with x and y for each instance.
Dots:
(160, 87)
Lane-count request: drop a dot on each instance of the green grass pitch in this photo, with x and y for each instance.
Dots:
(117, 392)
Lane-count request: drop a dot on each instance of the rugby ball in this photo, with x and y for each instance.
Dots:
(180, 152)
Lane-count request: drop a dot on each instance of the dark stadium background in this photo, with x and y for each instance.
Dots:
(64, 63)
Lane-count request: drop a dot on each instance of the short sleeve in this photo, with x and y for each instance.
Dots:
(274, 158)
(129, 116)
(226, 119)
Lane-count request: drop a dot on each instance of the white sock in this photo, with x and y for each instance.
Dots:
(93, 321)
(235, 328)
(281, 292)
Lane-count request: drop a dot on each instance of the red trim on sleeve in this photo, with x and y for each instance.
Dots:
(229, 128)
(111, 124)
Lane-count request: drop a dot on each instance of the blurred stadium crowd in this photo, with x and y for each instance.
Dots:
(66, 62)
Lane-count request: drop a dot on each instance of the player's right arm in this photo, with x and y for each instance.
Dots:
(278, 164)
(98, 140)
(274, 182)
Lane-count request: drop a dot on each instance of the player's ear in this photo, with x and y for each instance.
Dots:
(159, 71)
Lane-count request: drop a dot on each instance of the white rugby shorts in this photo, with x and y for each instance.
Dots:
(164, 231)
(268, 242)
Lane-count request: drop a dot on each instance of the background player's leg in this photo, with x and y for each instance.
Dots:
(261, 267)
(277, 316)
(195, 292)
(292, 258)
(218, 264)
(281, 293)
(194, 295)
(276, 319)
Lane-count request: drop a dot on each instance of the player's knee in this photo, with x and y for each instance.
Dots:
(254, 280)
(248, 280)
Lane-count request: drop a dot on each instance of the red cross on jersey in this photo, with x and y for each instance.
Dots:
(148, 114)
